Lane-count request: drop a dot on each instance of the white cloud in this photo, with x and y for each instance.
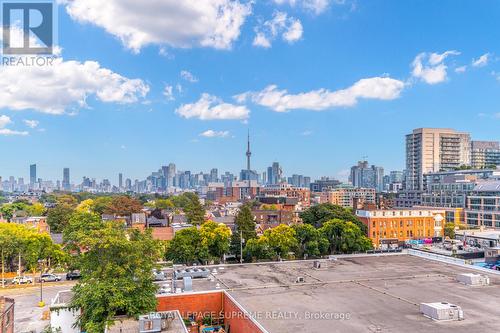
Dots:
(461, 69)
(315, 6)
(188, 76)
(4, 121)
(210, 107)
(53, 89)
(289, 28)
(215, 134)
(261, 40)
(293, 32)
(168, 92)
(306, 133)
(481, 61)
(381, 88)
(9, 132)
(430, 67)
(186, 23)
(31, 123)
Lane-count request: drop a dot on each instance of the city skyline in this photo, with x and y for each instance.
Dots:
(341, 87)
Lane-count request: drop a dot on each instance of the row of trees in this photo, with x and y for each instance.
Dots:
(21, 208)
(20, 243)
(327, 229)
(66, 205)
(208, 243)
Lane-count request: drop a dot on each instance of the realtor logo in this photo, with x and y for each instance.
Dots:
(28, 27)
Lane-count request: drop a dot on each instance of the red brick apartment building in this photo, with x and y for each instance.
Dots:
(214, 303)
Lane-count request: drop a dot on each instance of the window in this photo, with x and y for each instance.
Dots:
(148, 325)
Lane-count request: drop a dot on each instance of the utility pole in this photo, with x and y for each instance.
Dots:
(241, 247)
(41, 303)
(3, 270)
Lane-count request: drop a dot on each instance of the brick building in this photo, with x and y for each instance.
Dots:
(393, 226)
(6, 315)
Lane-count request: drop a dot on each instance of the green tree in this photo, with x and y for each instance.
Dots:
(58, 217)
(164, 204)
(79, 225)
(245, 223)
(16, 239)
(245, 226)
(195, 212)
(319, 214)
(216, 238)
(258, 248)
(101, 204)
(67, 199)
(344, 237)
(187, 247)
(36, 209)
(180, 201)
(281, 240)
(449, 230)
(310, 241)
(116, 271)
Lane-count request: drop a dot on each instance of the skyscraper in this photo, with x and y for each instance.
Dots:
(65, 183)
(214, 175)
(366, 176)
(171, 175)
(120, 180)
(274, 174)
(32, 175)
(433, 150)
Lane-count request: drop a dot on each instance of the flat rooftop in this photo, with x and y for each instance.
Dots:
(359, 294)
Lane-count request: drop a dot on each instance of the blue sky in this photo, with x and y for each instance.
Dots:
(326, 83)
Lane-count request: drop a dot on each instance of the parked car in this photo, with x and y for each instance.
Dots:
(22, 280)
(50, 278)
(4, 282)
(73, 275)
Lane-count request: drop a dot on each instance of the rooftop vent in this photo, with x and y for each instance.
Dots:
(442, 311)
(471, 279)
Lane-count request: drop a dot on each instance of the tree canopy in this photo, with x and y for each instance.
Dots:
(116, 266)
(193, 245)
(319, 214)
(16, 239)
(123, 206)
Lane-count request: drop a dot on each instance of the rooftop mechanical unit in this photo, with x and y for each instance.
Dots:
(442, 311)
(191, 272)
(471, 279)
